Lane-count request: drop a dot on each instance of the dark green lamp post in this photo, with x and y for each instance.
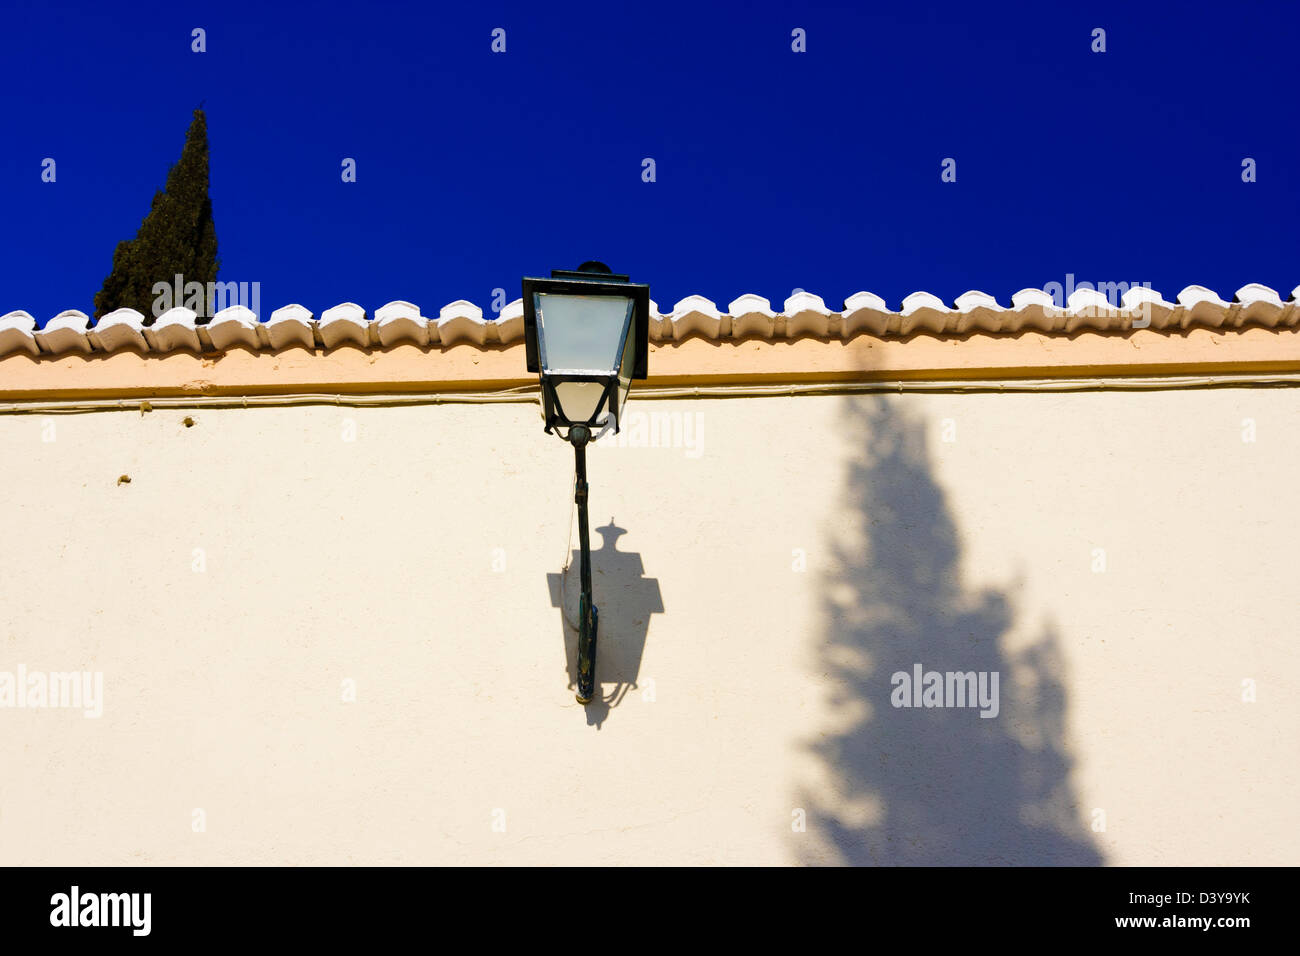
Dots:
(587, 335)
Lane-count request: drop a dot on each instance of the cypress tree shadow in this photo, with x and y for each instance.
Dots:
(625, 599)
(921, 785)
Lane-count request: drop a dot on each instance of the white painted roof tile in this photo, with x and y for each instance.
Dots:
(865, 312)
(461, 321)
(401, 322)
(174, 329)
(660, 326)
(510, 323)
(66, 332)
(16, 334)
(234, 327)
(123, 329)
(291, 326)
(696, 314)
(345, 324)
(803, 314)
(806, 314)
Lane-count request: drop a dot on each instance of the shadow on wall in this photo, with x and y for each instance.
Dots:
(930, 785)
(625, 599)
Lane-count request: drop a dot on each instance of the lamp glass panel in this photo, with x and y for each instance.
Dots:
(580, 333)
(625, 368)
(579, 399)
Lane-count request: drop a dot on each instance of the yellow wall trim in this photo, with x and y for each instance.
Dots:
(695, 361)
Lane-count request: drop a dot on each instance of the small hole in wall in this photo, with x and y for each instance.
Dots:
(124, 479)
(187, 422)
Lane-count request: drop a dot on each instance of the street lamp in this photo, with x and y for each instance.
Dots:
(587, 335)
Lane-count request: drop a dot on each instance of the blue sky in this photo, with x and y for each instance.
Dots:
(774, 169)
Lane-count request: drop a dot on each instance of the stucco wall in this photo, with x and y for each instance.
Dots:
(259, 560)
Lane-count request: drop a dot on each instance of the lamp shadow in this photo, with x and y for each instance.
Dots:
(624, 599)
(902, 784)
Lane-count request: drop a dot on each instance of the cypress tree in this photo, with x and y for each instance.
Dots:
(177, 237)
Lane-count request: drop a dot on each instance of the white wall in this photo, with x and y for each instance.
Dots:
(760, 689)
